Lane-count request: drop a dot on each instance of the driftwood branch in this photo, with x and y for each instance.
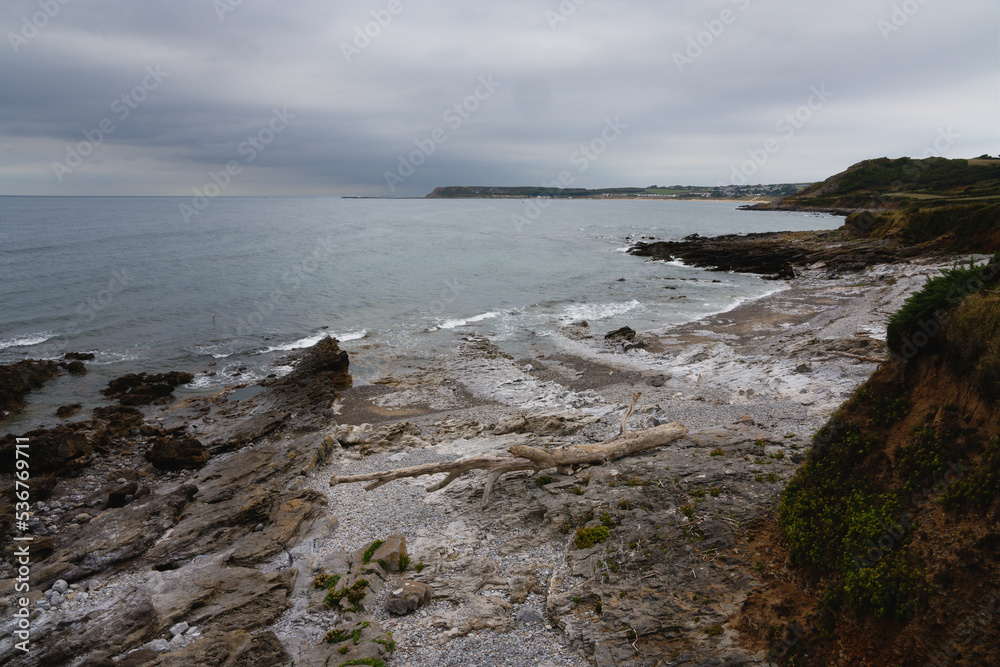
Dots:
(628, 413)
(529, 458)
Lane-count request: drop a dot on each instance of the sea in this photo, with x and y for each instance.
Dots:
(230, 292)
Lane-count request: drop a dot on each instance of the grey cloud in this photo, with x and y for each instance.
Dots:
(560, 79)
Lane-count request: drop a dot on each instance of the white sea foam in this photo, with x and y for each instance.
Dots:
(108, 358)
(598, 311)
(309, 341)
(354, 335)
(215, 351)
(26, 341)
(202, 381)
(299, 344)
(454, 324)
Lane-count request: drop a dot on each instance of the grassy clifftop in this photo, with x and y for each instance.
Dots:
(951, 204)
(892, 525)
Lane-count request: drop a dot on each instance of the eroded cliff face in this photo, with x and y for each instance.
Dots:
(886, 546)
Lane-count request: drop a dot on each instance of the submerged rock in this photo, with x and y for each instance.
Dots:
(66, 411)
(74, 367)
(625, 334)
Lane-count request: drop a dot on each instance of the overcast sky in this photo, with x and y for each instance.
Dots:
(359, 96)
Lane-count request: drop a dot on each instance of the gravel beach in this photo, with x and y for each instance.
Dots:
(254, 558)
(785, 361)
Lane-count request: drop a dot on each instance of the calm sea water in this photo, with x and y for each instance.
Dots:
(236, 288)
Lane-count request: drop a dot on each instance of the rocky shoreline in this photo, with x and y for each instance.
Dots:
(778, 255)
(206, 532)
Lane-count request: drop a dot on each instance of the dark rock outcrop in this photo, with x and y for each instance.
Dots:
(118, 420)
(65, 411)
(775, 254)
(142, 389)
(237, 647)
(74, 367)
(119, 495)
(625, 334)
(177, 453)
(201, 541)
(115, 537)
(58, 450)
(18, 379)
(626, 338)
(53, 451)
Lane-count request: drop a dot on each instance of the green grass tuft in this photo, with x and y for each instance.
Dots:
(370, 551)
(589, 536)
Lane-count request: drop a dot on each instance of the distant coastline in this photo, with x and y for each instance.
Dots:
(742, 193)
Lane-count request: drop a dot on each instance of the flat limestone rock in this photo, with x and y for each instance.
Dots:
(214, 597)
(546, 423)
(479, 612)
(237, 647)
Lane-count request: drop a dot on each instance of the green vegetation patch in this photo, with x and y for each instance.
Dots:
(836, 521)
(371, 662)
(972, 333)
(813, 511)
(916, 325)
(370, 551)
(324, 580)
(980, 487)
(927, 457)
(354, 594)
(884, 409)
(591, 535)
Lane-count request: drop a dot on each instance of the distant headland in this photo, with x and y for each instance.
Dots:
(758, 193)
